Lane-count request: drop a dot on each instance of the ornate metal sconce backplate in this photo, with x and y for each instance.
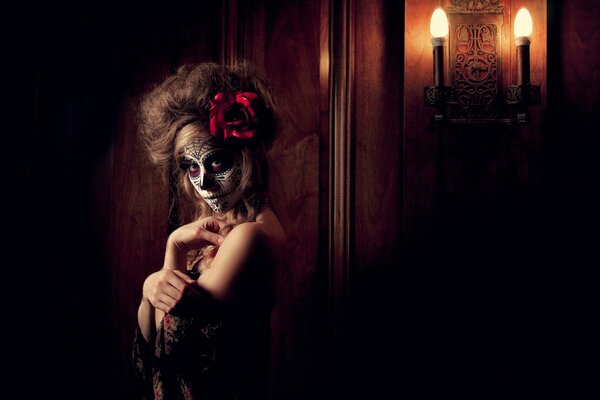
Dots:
(475, 70)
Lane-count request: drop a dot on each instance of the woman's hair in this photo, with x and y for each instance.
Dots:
(177, 113)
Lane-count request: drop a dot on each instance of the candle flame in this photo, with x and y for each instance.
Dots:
(438, 26)
(523, 23)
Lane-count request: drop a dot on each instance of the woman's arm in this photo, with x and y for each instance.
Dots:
(164, 289)
(146, 319)
(252, 249)
(240, 252)
(195, 235)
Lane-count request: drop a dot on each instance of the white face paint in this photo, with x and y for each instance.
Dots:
(215, 171)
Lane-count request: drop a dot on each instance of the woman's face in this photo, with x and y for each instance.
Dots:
(215, 171)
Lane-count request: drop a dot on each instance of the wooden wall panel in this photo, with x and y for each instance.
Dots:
(138, 231)
(378, 117)
(421, 146)
(292, 61)
(571, 200)
(574, 91)
(471, 217)
(340, 194)
(283, 37)
(376, 120)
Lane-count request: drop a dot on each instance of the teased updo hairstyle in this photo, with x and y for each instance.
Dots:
(176, 113)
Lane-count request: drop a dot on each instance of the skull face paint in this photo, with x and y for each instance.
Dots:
(215, 172)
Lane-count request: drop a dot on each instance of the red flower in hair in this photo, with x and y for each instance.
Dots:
(235, 114)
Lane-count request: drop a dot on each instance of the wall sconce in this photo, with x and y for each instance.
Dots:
(523, 94)
(477, 94)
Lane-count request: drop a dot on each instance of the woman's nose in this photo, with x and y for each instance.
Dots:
(206, 181)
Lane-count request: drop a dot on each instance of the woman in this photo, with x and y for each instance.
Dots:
(203, 321)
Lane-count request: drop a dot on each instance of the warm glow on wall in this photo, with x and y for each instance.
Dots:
(523, 23)
(438, 25)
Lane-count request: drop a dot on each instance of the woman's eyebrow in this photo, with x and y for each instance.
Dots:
(186, 161)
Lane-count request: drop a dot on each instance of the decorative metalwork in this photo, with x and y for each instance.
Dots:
(525, 95)
(475, 6)
(438, 95)
(475, 70)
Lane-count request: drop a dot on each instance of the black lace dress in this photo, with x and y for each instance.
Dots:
(210, 352)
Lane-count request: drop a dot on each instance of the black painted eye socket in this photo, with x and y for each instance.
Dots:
(218, 162)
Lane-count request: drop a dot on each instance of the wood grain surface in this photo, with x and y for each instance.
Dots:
(441, 229)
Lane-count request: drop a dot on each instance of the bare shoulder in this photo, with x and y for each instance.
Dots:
(265, 230)
(270, 225)
(251, 246)
(265, 236)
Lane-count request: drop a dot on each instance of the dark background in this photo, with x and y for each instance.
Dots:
(497, 300)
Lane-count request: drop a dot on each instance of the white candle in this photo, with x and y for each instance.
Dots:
(438, 26)
(523, 28)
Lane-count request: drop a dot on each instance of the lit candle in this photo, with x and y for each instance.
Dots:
(523, 29)
(438, 26)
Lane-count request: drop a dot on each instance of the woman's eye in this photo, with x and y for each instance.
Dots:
(216, 166)
(219, 162)
(194, 170)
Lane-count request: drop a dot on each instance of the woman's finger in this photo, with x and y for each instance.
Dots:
(179, 280)
(219, 223)
(185, 277)
(171, 291)
(212, 224)
(209, 234)
(164, 307)
(214, 238)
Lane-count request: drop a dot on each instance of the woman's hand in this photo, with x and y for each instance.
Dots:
(198, 234)
(167, 288)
